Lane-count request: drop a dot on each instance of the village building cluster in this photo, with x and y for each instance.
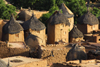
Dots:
(63, 41)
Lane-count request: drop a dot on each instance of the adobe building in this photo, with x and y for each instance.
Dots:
(25, 15)
(1, 25)
(20, 61)
(88, 23)
(99, 21)
(68, 13)
(58, 28)
(92, 37)
(75, 35)
(35, 27)
(13, 31)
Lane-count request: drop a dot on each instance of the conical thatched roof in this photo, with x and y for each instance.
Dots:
(12, 26)
(76, 33)
(58, 18)
(34, 24)
(76, 53)
(25, 15)
(66, 11)
(2, 63)
(88, 18)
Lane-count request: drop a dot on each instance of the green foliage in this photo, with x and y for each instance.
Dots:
(59, 2)
(34, 4)
(78, 7)
(47, 16)
(2, 2)
(6, 10)
(96, 12)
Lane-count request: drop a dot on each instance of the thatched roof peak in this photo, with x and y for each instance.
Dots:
(76, 33)
(58, 18)
(76, 53)
(12, 26)
(66, 11)
(34, 24)
(88, 18)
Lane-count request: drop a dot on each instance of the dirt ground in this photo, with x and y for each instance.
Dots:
(55, 54)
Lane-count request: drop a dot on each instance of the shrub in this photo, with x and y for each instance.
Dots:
(6, 10)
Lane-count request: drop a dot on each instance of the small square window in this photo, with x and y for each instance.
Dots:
(64, 32)
(38, 31)
(57, 39)
(93, 27)
(41, 41)
(62, 25)
(17, 35)
(64, 39)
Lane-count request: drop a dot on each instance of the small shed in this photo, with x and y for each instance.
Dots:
(35, 27)
(88, 23)
(68, 13)
(76, 53)
(13, 31)
(58, 28)
(75, 35)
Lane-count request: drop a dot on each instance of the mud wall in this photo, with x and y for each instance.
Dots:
(8, 52)
(59, 55)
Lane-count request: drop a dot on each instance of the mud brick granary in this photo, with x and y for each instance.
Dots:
(68, 13)
(88, 23)
(13, 31)
(75, 34)
(35, 27)
(58, 28)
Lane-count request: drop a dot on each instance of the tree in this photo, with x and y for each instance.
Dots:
(78, 7)
(34, 4)
(6, 10)
(51, 11)
(96, 12)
